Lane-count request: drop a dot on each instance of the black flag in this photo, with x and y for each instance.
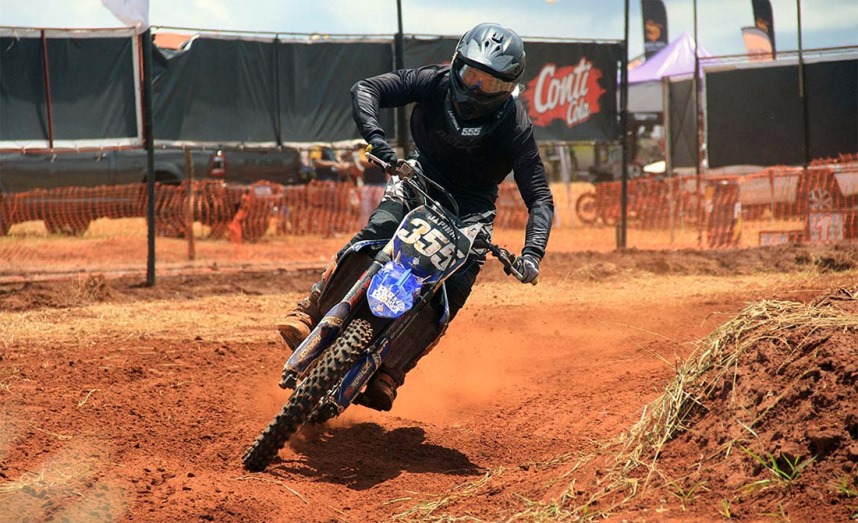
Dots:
(764, 19)
(654, 26)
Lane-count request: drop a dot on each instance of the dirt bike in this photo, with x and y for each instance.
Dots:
(378, 300)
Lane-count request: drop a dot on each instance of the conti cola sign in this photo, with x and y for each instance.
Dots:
(569, 92)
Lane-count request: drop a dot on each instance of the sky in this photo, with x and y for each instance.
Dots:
(825, 23)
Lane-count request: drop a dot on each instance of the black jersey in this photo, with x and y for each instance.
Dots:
(469, 159)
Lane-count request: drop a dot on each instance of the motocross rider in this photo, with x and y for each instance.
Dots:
(470, 131)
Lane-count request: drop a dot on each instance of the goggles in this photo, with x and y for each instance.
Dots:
(484, 82)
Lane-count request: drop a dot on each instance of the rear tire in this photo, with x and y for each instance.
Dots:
(325, 375)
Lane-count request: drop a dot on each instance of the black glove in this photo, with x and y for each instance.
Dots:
(382, 150)
(528, 266)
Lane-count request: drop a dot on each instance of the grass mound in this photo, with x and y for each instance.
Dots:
(762, 420)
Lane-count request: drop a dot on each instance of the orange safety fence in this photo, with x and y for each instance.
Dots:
(319, 208)
(773, 206)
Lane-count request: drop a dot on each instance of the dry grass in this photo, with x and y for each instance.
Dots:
(230, 318)
(428, 509)
(714, 361)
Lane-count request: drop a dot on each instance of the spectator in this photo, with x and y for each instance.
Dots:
(326, 164)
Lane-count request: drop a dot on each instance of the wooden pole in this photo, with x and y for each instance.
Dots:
(189, 212)
(149, 144)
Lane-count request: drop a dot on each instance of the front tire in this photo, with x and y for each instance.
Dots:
(325, 375)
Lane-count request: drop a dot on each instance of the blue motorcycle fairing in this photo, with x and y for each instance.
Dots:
(392, 290)
(426, 248)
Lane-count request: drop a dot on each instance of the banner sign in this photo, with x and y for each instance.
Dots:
(654, 26)
(571, 91)
(764, 19)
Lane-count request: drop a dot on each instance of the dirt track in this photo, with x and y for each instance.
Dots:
(122, 403)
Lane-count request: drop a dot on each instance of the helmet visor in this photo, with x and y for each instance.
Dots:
(484, 82)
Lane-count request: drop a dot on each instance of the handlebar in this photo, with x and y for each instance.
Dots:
(405, 171)
(506, 258)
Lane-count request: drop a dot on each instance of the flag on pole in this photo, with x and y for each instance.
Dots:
(764, 20)
(654, 26)
(133, 13)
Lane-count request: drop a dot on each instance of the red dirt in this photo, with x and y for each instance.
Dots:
(125, 403)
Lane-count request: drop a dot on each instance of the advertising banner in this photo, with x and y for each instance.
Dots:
(654, 26)
(764, 19)
(571, 91)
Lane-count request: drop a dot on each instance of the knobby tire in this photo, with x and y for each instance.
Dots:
(325, 375)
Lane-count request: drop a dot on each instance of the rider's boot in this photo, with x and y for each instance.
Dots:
(300, 321)
(380, 391)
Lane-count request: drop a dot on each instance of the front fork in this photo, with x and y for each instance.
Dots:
(326, 331)
(358, 376)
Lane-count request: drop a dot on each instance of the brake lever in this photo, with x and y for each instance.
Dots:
(507, 259)
(403, 170)
(376, 160)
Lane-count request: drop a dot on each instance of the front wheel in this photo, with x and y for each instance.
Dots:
(307, 396)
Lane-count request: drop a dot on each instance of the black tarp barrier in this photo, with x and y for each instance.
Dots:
(260, 91)
(832, 108)
(420, 51)
(23, 114)
(683, 124)
(218, 91)
(754, 116)
(224, 91)
(315, 83)
(93, 77)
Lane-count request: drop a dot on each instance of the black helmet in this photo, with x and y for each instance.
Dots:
(487, 64)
